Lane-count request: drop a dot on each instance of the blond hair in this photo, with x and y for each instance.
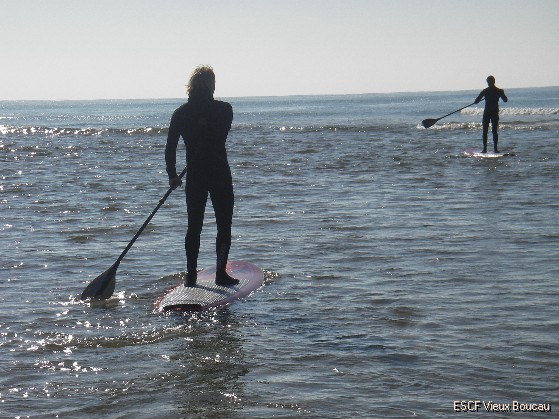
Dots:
(202, 81)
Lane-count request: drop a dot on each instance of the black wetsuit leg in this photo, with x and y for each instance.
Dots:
(219, 185)
(495, 130)
(493, 118)
(485, 123)
(196, 198)
(223, 200)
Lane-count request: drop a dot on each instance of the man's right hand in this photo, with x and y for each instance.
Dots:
(175, 182)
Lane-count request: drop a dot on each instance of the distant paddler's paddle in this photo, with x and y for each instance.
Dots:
(103, 286)
(428, 123)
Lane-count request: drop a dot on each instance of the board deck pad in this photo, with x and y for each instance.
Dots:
(207, 294)
(475, 152)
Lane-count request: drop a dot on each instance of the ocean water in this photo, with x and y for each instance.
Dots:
(401, 275)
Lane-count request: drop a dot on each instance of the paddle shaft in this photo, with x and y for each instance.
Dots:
(427, 123)
(161, 202)
(457, 110)
(103, 286)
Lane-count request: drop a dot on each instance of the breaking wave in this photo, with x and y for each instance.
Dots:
(514, 111)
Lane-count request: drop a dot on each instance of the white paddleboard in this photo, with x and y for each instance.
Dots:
(475, 152)
(207, 294)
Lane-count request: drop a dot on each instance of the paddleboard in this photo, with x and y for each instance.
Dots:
(475, 152)
(207, 294)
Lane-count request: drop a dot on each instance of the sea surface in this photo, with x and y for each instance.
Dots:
(402, 277)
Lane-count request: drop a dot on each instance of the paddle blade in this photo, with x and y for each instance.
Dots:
(103, 286)
(427, 123)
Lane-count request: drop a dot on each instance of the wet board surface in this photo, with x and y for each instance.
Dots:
(207, 294)
(476, 152)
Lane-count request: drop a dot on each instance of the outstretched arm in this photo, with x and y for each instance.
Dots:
(504, 97)
(479, 97)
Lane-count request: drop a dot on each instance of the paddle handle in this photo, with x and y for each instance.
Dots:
(161, 202)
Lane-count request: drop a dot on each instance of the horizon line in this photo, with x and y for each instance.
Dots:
(271, 96)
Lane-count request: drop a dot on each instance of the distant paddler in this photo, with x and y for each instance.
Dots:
(491, 94)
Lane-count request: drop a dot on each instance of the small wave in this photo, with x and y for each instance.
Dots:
(80, 239)
(512, 125)
(324, 128)
(318, 128)
(453, 126)
(514, 111)
(85, 132)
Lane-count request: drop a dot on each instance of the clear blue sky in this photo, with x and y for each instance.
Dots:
(92, 49)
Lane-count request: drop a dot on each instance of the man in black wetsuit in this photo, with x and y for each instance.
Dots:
(203, 123)
(491, 112)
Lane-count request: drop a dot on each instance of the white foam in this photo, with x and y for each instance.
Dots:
(514, 111)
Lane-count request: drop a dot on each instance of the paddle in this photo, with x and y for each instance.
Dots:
(103, 286)
(428, 123)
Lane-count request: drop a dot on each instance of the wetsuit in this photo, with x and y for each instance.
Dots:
(492, 94)
(204, 124)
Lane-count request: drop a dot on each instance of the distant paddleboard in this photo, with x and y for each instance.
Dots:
(207, 294)
(475, 152)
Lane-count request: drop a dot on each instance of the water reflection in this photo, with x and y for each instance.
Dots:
(208, 361)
